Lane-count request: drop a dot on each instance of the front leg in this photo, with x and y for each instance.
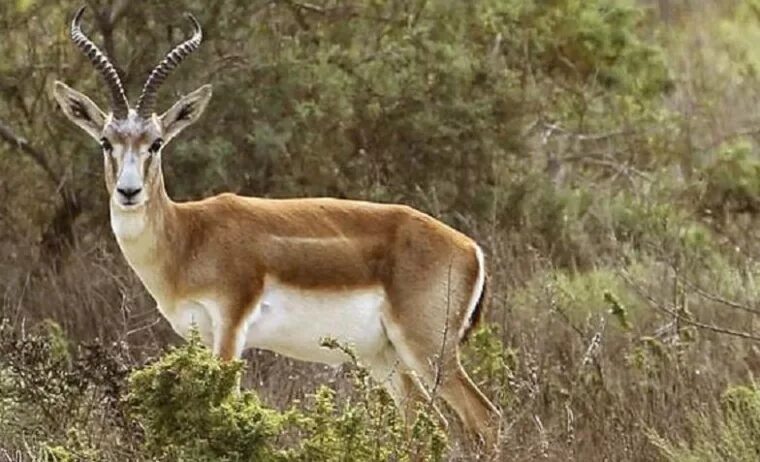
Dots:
(188, 316)
(229, 339)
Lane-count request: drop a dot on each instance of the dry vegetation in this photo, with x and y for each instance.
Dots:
(604, 152)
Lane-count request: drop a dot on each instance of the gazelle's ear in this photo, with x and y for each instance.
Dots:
(80, 109)
(184, 112)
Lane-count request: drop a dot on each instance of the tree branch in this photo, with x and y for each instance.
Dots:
(20, 143)
(306, 6)
(645, 295)
(718, 299)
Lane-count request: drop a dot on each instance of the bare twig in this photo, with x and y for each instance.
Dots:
(20, 143)
(421, 5)
(618, 166)
(676, 315)
(554, 306)
(306, 6)
(751, 131)
(142, 327)
(594, 344)
(117, 10)
(106, 19)
(718, 299)
(441, 354)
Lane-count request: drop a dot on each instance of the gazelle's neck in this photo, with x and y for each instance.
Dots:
(140, 232)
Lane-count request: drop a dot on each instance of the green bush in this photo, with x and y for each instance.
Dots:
(492, 365)
(366, 428)
(733, 435)
(595, 41)
(58, 396)
(426, 105)
(189, 407)
(731, 182)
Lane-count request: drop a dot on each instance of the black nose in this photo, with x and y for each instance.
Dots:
(129, 193)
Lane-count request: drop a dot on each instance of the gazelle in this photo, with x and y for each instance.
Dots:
(400, 287)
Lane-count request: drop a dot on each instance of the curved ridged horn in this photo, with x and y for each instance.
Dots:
(170, 62)
(119, 103)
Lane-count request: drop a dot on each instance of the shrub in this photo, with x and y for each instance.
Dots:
(553, 219)
(596, 41)
(733, 435)
(731, 182)
(70, 405)
(492, 365)
(189, 407)
(365, 428)
(59, 396)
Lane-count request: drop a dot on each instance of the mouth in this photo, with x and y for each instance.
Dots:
(129, 204)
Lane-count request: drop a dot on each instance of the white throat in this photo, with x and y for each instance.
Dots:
(136, 236)
(128, 225)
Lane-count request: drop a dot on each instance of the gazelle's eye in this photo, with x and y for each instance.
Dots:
(156, 146)
(106, 145)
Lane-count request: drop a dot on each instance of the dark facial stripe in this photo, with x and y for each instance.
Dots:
(113, 165)
(146, 166)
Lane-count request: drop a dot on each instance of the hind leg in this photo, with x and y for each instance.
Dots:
(478, 414)
(433, 293)
(435, 360)
(388, 369)
(446, 377)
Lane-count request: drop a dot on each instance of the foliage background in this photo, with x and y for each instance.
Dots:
(604, 152)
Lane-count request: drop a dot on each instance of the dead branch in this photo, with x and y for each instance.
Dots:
(441, 355)
(106, 18)
(686, 320)
(588, 136)
(20, 143)
(306, 6)
(59, 231)
(718, 299)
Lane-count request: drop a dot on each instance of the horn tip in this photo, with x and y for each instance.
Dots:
(195, 22)
(78, 15)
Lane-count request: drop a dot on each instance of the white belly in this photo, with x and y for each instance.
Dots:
(292, 321)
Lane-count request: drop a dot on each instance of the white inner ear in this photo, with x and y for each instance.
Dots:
(185, 112)
(80, 109)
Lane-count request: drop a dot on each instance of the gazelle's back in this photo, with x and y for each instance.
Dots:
(319, 242)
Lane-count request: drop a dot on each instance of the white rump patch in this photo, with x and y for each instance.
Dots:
(292, 321)
(477, 291)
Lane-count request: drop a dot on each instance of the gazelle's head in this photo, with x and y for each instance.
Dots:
(132, 139)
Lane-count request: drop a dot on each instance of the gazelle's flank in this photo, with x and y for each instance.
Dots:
(399, 286)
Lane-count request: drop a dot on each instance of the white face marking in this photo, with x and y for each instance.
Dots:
(132, 153)
(292, 321)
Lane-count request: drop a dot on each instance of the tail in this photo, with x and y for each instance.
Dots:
(482, 291)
